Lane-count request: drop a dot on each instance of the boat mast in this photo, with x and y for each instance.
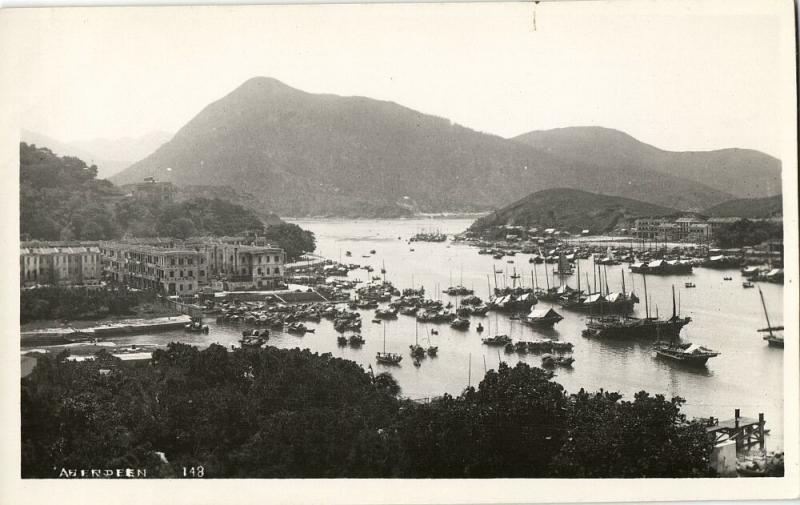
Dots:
(469, 372)
(769, 325)
(547, 277)
(624, 295)
(578, 267)
(605, 272)
(646, 305)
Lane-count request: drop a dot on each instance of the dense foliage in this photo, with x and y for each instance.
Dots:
(746, 233)
(294, 240)
(290, 413)
(566, 209)
(78, 303)
(60, 198)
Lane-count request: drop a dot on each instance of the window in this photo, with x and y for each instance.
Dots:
(172, 261)
(191, 273)
(276, 270)
(277, 259)
(259, 271)
(202, 273)
(172, 273)
(181, 273)
(180, 287)
(180, 261)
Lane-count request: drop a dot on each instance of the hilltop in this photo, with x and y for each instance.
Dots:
(744, 173)
(748, 207)
(571, 210)
(322, 155)
(62, 199)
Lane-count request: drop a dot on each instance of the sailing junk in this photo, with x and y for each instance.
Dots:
(624, 326)
(688, 353)
(542, 318)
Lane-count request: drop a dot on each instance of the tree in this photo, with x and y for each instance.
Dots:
(294, 240)
(648, 437)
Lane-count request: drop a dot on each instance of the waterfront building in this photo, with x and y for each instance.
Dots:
(170, 270)
(651, 227)
(59, 265)
(186, 267)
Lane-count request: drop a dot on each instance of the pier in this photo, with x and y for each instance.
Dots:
(745, 431)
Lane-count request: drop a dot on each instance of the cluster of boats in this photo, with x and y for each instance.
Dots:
(538, 346)
(354, 340)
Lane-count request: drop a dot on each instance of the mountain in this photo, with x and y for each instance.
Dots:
(572, 210)
(744, 173)
(318, 154)
(748, 207)
(110, 155)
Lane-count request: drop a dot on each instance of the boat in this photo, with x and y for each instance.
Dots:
(497, 340)
(625, 326)
(688, 353)
(377, 321)
(727, 278)
(689, 285)
(773, 337)
(417, 351)
(432, 349)
(662, 267)
(747, 284)
(372, 251)
(356, 340)
(389, 313)
(416, 362)
(299, 328)
(348, 254)
(479, 328)
(458, 291)
(387, 358)
(542, 318)
(341, 340)
(548, 360)
(196, 326)
(460, 324)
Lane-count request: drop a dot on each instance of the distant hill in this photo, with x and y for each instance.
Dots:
(744, 173)
(315, 154)
(570, 209)
(109, 155)
(748, 207)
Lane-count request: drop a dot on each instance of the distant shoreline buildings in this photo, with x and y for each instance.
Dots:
(165, 265)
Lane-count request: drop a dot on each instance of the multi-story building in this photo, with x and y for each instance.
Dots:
(152, 190)
(59, 265)
(652, 227)
(171, 270)
(179, 268)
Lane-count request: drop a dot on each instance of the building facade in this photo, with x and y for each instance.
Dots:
(183, 268)
(60, 265)
(170, 270)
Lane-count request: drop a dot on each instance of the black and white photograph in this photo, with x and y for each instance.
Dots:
(379, 246)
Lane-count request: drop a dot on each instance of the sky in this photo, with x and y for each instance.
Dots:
(679, 75)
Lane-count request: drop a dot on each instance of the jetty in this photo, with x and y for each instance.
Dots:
(63, 335)
(745, 431)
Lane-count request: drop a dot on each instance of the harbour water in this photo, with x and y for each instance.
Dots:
(747, 375)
